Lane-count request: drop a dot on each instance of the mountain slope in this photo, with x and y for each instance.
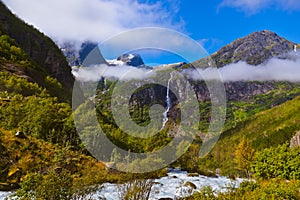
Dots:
(45, 56)
(265, 129)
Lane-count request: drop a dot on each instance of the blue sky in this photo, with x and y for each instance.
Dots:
(219, 25)
(214, 23)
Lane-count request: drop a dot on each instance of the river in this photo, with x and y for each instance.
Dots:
(171, 186)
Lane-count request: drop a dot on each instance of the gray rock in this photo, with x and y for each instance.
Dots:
(295, 141)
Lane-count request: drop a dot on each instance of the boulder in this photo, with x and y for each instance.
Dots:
(191, 185)
(192, 174)
(295, 141)
(20, 135)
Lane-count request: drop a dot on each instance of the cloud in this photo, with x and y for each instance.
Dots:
(94, 20)
(94, 73)
(274, 70)
(255, 6)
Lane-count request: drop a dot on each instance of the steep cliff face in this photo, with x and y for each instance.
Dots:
(41, 49)
(235, 91)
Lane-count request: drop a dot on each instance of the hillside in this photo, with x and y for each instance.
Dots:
(43, 58)
(269, 128)
(22, 156)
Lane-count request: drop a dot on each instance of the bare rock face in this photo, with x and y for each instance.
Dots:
(295, 141)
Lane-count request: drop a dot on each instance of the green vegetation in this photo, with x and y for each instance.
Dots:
(11, 53)
(277, 162)
(266, 129)
(14, 61)
(23, 159)
(276, 170)
(244, 155)
(265, 190)
(140, 115)
(27, 107)
(26, 52)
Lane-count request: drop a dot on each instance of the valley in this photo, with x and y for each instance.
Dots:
(64, 151)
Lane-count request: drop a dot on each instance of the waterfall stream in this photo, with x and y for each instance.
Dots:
(168, 101)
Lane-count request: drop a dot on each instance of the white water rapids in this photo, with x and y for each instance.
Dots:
(171, 186)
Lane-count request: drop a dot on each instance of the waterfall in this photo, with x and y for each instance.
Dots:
(168, 101)
(295, 48)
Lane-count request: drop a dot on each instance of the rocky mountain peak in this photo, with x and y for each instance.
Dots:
(131, 59)
(254, 49)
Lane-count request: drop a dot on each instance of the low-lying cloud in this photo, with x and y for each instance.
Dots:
(274, 70)
(94, 73)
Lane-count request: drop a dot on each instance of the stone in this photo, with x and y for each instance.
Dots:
(218, 171)
(191, 185)
(192, 174)
(20, 135)
(295, 141)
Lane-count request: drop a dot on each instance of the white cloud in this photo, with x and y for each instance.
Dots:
(274, 70)
(94, 73)
(94, 20)
(255, 6)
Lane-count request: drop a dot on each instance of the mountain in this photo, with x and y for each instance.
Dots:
(134, 60)
(244, 98)
(76, 55)
(254, 49)
(44, 56)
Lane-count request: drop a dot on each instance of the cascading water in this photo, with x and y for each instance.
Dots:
(168, 101)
